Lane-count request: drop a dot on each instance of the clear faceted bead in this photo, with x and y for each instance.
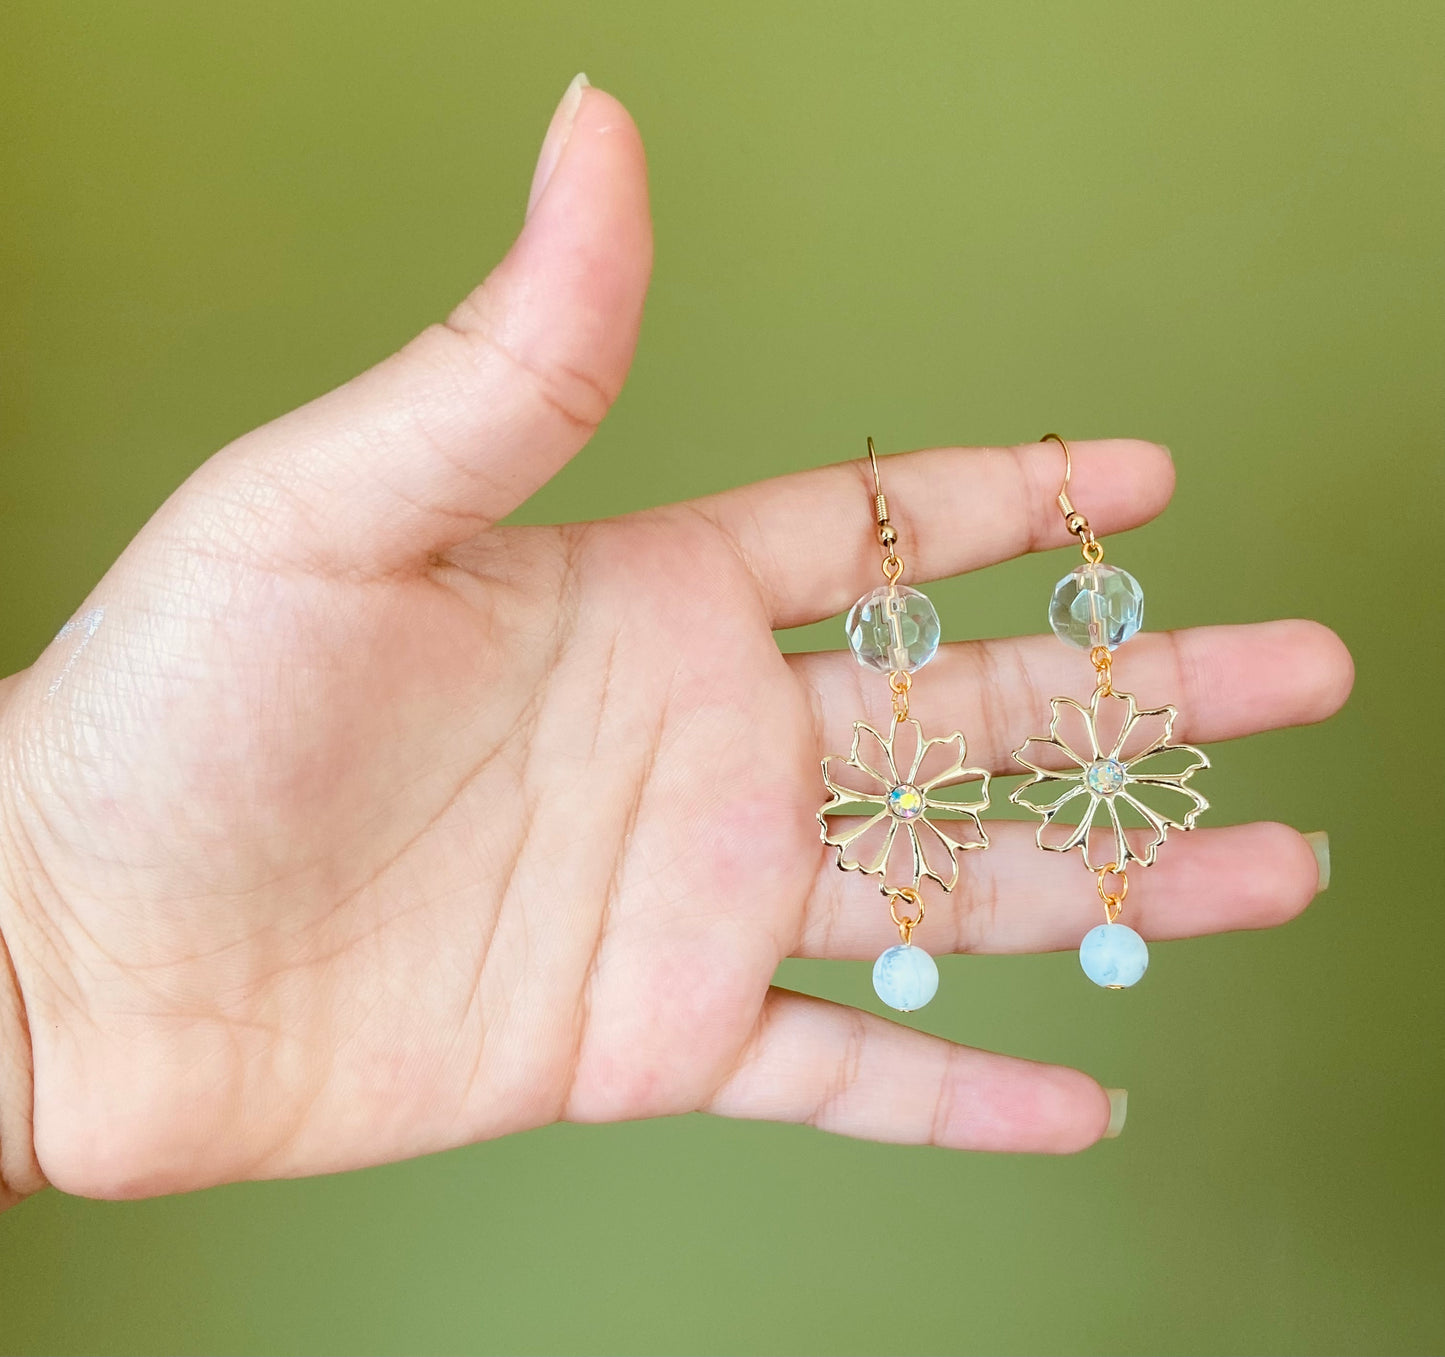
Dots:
(1096, 605)
(893, 628)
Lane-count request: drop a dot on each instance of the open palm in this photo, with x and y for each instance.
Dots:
(342, 825)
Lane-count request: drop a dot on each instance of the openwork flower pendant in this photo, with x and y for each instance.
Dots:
(895, 783)
(1116, 768)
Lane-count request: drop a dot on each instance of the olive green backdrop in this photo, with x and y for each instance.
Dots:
(1216, 225)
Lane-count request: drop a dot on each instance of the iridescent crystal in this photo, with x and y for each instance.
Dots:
(1096, 605)
(893, 629)
(905, 801)
(1105, 777)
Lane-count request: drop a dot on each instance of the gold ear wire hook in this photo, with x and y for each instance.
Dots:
(1066, 506)
(1075, 521)
(887, 533)
(880, 502)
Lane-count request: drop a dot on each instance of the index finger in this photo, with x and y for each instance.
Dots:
(808, 538)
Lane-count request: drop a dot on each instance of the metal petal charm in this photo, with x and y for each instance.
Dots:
(902, 810)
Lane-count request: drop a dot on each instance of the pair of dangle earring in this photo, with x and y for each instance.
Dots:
(1098, 776)
(901, 827)
(1108, 778)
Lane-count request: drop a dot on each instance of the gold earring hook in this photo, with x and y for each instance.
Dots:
(887, 533)
(1076, 523)
(1066, 506)
(880, 501)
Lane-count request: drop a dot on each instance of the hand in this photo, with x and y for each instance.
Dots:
(344, 825)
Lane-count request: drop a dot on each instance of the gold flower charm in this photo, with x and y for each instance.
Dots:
(902, 807)
(1109, 752)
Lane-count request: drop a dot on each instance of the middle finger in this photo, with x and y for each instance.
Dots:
(1226, 681)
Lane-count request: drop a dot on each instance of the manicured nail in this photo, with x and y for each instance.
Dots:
(1118, 1110)
(555, 142)
(1319, 843)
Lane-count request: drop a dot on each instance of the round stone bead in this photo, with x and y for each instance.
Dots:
(1114, 955)
(1096, 605)
(905, 977)
(893, 628)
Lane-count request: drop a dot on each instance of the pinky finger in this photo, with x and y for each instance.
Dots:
(846, 1071)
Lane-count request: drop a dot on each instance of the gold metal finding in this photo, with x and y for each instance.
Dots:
(1092, 548)
(1115, 729)
(1113, 899)
(906, 925)
(1103, 663)
(887, 533)
(880, 501)
(925, 845)
(899, 682)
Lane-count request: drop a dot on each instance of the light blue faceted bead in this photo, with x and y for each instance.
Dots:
(894, 628)
(905, 977)
(1096, 605)
(1114, 955)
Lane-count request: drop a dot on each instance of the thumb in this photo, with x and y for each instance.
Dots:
(463, 424)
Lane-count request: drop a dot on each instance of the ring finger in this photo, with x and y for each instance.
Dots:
(1015, 898)
(1228, 681)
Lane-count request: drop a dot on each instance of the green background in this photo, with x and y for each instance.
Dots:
(1216, 225)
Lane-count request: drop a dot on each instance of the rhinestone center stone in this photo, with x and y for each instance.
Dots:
(1105, 777)
(906, 801)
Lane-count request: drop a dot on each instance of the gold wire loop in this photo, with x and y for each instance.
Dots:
(892, 567)
(900, 681)
(906, 925)
(1076, 523)
(1103, 663)
(1113, 899)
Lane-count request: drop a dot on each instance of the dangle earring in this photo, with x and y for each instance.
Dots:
(902, 830)
(1109, 760)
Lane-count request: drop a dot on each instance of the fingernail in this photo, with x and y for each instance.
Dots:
(1319, 843)
(555, 142)
(1118, 1110)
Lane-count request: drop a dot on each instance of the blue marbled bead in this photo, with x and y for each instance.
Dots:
(1114, 955)
(905, 977)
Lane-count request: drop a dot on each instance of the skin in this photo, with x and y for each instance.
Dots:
(346, 826)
